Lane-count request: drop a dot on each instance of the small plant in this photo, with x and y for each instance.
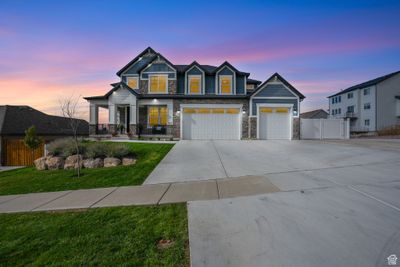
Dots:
(96, 150)
(117, 150)
(65, 147)
(31, 140)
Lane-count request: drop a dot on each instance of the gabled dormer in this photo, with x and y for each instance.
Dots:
(229, 80)
(195, 77)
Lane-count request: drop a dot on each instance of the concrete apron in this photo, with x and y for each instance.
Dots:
(150, 194)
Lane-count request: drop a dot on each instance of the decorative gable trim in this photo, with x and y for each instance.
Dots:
(145, 53)
(159, 59)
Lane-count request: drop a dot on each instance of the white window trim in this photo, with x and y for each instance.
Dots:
(201, 84)
(220, 84)
(149, 82)
(133, 77)
(217, 80)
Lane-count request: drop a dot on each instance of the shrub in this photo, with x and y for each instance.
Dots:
(64, 147)
(393, 130)
(118, 150)
(96, 150)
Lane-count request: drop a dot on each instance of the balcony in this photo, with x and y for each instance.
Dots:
(351, 115)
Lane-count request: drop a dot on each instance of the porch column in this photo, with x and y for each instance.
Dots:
(133, 119)
(93, 118)
(112, 119)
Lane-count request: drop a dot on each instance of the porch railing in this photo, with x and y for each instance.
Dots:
(102, 129)
(153, 130)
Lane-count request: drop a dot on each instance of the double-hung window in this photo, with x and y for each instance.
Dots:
(158, 116)
(367, 106)
(350, 109)
(194, 84)
(350, 95)
(133, 82)
(158, 84)
(225, 84)
(366, 91)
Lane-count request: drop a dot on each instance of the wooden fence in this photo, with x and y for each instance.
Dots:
(15, 153)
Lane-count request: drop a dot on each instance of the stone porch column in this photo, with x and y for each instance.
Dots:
(133, 119)
(93, 119)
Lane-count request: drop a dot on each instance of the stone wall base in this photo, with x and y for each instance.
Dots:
(92, 129)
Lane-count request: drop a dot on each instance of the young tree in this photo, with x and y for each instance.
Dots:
(69, 110)
(31, 140)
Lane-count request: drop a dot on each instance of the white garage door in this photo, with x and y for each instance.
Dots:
(274, 123)
(211, 123)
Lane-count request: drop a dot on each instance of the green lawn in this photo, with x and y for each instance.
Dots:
(125, 236)
(28, 180)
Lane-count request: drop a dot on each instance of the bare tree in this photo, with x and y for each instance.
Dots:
(69, 110)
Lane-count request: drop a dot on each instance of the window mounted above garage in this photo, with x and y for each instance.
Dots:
(225, 84)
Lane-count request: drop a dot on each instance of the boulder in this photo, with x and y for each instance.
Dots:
(93, 163)
(71, 162)
(128, 161)
(40, 163)
(111, 162)
(54, 163)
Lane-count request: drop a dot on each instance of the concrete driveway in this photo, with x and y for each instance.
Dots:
(339, 205)
(203, 160)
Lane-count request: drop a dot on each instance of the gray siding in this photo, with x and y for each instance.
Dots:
(386, 102)
(135, 67)
(256, 101)
(273, 90)
(240, 86)
(210, 84)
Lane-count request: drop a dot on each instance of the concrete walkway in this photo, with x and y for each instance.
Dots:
(151, 194)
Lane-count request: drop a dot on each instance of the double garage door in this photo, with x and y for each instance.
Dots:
(275, 123)
(217, 123)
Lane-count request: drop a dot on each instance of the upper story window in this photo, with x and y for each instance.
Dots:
(194, 84)
(225, 84)
(158, 84)
(366, 91)
(350, 95)
(333, 100)
(133, 82)
(367, 106)
(350, 109)
(340, 111)
(366, 122)
(339, 99)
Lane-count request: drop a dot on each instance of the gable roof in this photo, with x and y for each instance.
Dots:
(278, 76)
(314, 114)
(14, 120)
(158, 55)
(115, 86)
(367, 83)
(147, 50)
(226, 63)
(253, 81)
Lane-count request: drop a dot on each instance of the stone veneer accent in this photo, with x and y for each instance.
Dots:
(144, 87)
(177, 120)
(92, 129)
(253, 127)
(296, 128)
(112, 128)
(132, 129)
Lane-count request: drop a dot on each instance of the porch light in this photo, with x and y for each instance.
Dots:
(243, 111)
(155, 101)
(178, 112)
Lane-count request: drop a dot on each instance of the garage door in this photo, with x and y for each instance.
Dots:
(274, 123)
(211, 123)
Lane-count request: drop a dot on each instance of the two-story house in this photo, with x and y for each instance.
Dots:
(157, 97)
(370, 106)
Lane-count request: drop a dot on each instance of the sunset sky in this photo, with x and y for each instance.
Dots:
(52, 49)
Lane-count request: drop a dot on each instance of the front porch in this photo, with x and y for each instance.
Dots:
(144, 119)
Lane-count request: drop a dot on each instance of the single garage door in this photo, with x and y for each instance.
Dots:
(211, 123)
(274, 123)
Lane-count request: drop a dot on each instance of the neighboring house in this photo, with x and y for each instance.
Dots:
(371, 106)
(315, 114)
(14, 120)
(196, 102)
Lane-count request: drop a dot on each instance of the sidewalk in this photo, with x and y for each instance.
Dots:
(151, 194)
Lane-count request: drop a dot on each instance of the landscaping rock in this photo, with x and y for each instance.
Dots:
(40, 163)
(128, 161)
(93, 163)
(72, 162)
(111, 162)
(54, 163)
